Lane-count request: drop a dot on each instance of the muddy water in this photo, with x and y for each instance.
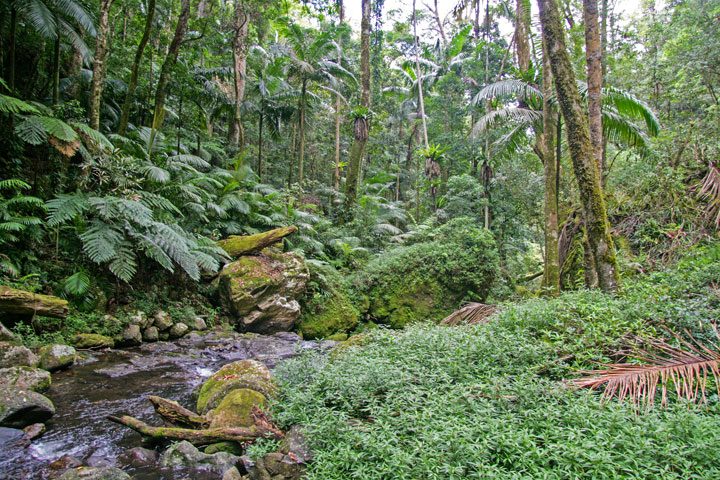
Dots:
(118, 382)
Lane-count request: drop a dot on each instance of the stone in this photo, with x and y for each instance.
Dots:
(56, 357)
(198, 323)
(164, 336)
(7, 336)
(328, 310)
(25, 378)
(178, 330)
(296, 443)
(234, 410)
(95, 473)
(184, 454)
(150, 334)
(141, 319)
(92, 341)
(276, 466)
(130, 336)
(337, 337)
(248, 374)
(20, 408)
(35, 430)
(237, 246)
(163, 321)
(229, 447)
(65, 462)
(261, 291)
(232, 474)
(17, 356)
(12, 438)
(138, 457)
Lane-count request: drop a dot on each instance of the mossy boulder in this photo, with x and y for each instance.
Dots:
(25, 378)
(261, 291)
(247, 374)
(235, 409)
(95, 473)
(233, 448)
(130, 336)
(163, 321)
(20, 407)
(237, 246)
(150, 334)
(178, 330)
(184, 454)
(337, 337)
(56, 357)
(91, 341)
(326, 309)
(17, 356)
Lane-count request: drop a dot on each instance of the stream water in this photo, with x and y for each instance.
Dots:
(117, 382)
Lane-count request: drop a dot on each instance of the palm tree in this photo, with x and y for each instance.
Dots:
(53, 19)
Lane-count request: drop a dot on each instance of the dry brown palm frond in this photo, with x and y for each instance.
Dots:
(709, 191)
(470, 314)
(687, 369)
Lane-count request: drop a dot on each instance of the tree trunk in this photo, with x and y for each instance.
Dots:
(11, 47)
(418, 74)
(362, 127)
(177, 415)
(581, 151)
(552, 265)
(594, 71)
(240, 67)
(301, 156)
(522, 34)
(56, 72)
(170, 60)
(436, 15)
(134, 72)
(336, 182)
(260, 145)
(99, 66)
(237, 246)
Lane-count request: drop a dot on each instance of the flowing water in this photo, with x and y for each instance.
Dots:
(118, 382)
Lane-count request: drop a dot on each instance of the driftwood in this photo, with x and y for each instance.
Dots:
(16, 302)
(176, 415)
(237, 246)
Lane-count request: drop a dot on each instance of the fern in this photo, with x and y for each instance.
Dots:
(58, 129)
(124, 264)
(12, 105)
(65, 207)
(32, 131)
(101, 242)
(76, 285)
(97, 137)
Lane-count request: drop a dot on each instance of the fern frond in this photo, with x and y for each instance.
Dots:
(58, 129)
(192, 160)
(13, 184)
(65, 207)
(76, 284)
(102, 242)
(32, 131)
(124, 264)
(15, 105)
(97, 137)
(155, 174)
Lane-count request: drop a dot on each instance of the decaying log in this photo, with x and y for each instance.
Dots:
(237, 246)
(177, 415)
(197, 437)
(27, 304)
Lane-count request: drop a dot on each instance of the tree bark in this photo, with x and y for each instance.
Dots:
(99, 66)
(336, 183)
(56, 71)
(170, 60)
(176, 415)
(301, 156)
(594, 71)
(522, 34)
(237, 246)
(436, 15)
(581, 151)
(134, 72)
(11, 48)
(240, 68)
(362, 127)
(552, 263)
(260, 144)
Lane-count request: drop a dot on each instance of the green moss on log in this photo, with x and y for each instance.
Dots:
(237, 246)
(14, 302)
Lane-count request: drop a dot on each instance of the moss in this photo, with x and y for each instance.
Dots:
(338, 337)
(235, 409)
(237, 246)
(246, 374)
(92, 340)
(229, 447)
(326, 309)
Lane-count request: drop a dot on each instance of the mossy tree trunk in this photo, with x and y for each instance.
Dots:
(581, 151)
(239, 69)
(336, 182)
(99, 66)
(552, 263)
(135, 71)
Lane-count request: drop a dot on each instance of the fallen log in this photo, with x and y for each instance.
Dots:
(21, 303)
(237, 246)
(197, 437)
(177, 415)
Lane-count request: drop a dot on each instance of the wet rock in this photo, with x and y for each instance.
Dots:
(232, 474)
(275, 466)
(25, 378)
(56, 357)
(130, 336)
(248, 374)
(141, 319)
(235, 408)
(7, 336)
(184, 454)
(95, 473)
(163, 321)
(65, 462)
(197, 323)
(13, 438)
(138, 457)
(20, 408)
(35, 430)
(164, 336)
(178, 330)
(16, 356)
(296, 445)
(90, 341)
(261, 291)
(150, 334)
(229, 447)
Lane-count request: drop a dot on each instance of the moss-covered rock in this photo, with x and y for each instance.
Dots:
(249, 374)
(178, 330)
(235, 408)
(233, 448)
(17, 356)
(25, 378)
(56, 357)
(261, 291)
(237, 246)
(337, 337)
(20, 408)
(326, 308)
(92, 341)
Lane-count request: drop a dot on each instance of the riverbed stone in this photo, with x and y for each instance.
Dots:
(141, 319)
(138, 457)
(7, 336)
(232, 474)
(178, 330)
(25, 378)
(261, 291)
(249, 374)
(91, 341)
(162, 321)
(275, 466)
(296, 443)
(35, 430)
(13, 438)
(20, 408)
(229, 447)
(185, 454)
(150, 334)
(65, 462)
(235, 409)
(17, 356)
(95, 473)
(56, 357)
(130, 336)
(197, 323)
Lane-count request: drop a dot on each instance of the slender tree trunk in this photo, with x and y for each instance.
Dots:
(260, 145)
(240, 68)
(99, 66)
(581, 151)
(336, 183)
(594, 70)
(11, 48)
(56, 72)
(292, 157)
(134, 72)
(522, 34)
(436, 15)
(418, 74)
(301, 156)
(603, 63)
(361, 131)
(170, 60)
(552, 265)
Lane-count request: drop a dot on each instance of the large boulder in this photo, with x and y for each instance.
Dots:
(140, 319)
(16, 356)
(178, 330)
(56, 357)
(20, 408)
(7, 336)
(262, 291)
(95, 473)
(236, 408)
(237, 246)
(163, 321)
(92, 341)
(247, 374)
(25, 378)
(184, 454)
(130, 336)
(276, 466)
(150, 334)
(326, 310)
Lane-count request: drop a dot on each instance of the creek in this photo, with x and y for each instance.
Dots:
(118, 382)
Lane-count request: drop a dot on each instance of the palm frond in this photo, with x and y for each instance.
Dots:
(709, 191)
(493, 118)
(510, 87)
(470, 314)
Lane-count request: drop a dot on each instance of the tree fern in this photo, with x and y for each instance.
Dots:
(11, 105)
(101, 242)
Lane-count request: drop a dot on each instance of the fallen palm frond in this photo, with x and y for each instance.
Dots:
(470, 314)
(686, 368)
(709, 190)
